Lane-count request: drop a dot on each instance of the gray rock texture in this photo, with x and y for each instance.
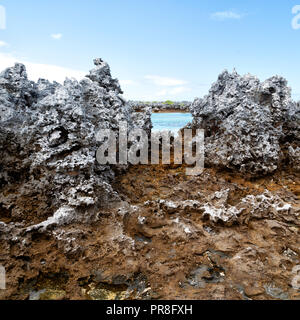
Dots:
(142, 119)
(73, 229)
(250, 126)
(48, 167)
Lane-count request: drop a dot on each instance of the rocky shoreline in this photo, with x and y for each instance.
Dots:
(73, 229)
(167, 106)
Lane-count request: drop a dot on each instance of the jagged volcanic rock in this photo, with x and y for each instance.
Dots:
(48, 145)
(249, 125)
(219, 235)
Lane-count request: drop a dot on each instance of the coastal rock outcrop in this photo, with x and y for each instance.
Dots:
(71, 228)
(48, 146)
(250, 126)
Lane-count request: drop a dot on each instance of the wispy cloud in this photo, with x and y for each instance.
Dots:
(56, 36)
(127, 82)
(167, 86)
(227, 15)
(296, 19)
(3, 44)
(38, 70)
(165, 81)
(173, 91)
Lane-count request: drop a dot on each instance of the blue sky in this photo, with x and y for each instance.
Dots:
(158, 49)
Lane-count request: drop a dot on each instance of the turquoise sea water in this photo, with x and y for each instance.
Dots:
(170, 121)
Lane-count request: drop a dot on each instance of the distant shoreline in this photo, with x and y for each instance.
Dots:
(166, 111)
(161, 107)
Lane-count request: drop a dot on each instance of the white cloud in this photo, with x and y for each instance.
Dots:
(165, 81)
(3, 44)
(167, 87)
(56, 36)
(38, 70)
(173, 91)
(127, 82)
(180, 90)
(226, 15)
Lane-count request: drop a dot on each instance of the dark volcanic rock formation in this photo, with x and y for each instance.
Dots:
(73, 229)
(48, 145)
(250, 126)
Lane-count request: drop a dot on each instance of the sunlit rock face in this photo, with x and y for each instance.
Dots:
(48, 145)
(66, 234)
(250, 126)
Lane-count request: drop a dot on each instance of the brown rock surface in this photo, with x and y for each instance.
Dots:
(156, 245)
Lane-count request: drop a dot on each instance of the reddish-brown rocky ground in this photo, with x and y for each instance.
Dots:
(148, 252)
